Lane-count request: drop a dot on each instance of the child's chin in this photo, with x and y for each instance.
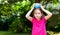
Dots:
(37, 17)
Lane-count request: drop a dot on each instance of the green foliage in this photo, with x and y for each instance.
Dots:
(12, 14)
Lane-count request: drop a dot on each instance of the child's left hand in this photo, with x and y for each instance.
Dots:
(42, 7)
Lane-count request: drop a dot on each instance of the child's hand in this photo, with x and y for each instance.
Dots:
(33, 6)
(42, 7)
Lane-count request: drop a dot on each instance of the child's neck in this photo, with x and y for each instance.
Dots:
(38, 19)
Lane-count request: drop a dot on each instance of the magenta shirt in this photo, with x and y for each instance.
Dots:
(39, 26)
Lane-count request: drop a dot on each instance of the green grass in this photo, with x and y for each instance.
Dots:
(10, 33)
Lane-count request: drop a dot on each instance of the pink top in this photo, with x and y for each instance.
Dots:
(39, 26)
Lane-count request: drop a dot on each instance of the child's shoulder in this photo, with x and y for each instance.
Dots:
(44, 18)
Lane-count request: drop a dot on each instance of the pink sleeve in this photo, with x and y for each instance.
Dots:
(32, 19)
(44, 18)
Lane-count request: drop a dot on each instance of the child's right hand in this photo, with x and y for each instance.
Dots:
(33, 6)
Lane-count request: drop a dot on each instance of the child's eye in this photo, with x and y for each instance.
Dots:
(38, 13)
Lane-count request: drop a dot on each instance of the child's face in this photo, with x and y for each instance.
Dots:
(37, 13)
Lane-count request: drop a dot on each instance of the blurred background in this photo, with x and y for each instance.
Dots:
(13, 21)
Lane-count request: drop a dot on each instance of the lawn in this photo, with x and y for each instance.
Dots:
(10, 33)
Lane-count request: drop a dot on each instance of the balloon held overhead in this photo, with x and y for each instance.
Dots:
(37, 5)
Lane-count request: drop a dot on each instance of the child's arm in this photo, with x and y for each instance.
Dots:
(28, 14)
(49, 14)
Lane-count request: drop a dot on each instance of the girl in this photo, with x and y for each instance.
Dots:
(38, 20)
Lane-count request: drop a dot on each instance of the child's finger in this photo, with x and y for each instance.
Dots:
(32, 7)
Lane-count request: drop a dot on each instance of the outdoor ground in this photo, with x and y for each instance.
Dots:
(10, 33)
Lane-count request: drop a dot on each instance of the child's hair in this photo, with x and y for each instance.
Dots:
(40, 11)
(37, 1)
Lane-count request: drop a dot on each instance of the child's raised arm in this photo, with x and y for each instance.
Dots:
(28, 14)
(49, 14)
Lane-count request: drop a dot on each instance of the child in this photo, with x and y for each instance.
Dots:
(38, 20)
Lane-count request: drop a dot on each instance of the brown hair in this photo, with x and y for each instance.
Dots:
(37, 1)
